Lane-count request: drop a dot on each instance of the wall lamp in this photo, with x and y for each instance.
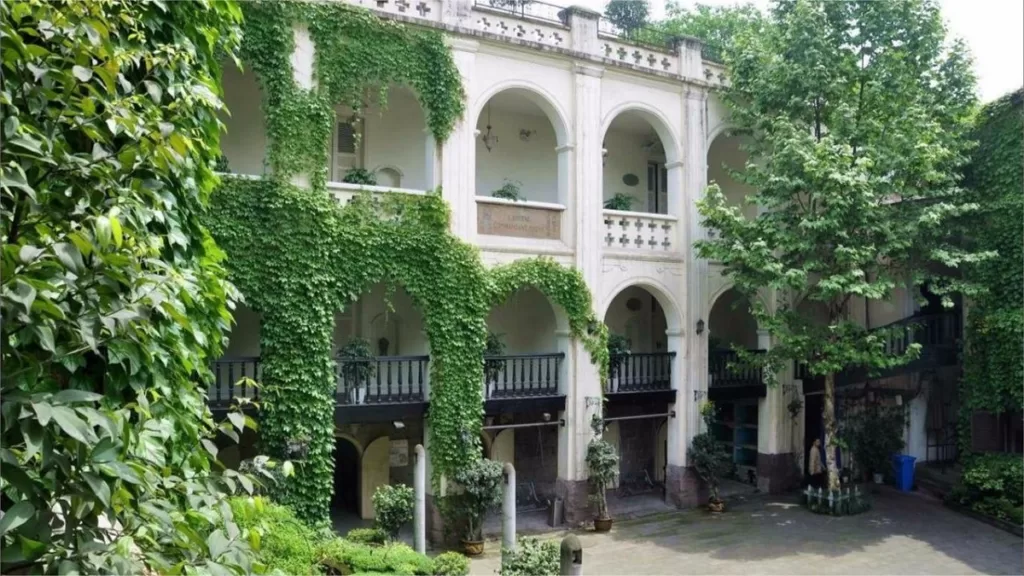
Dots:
(700, 326)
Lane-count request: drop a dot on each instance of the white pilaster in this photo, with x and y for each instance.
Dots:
(302, 61)
(694, 181)
(676, 435)
(458, 153)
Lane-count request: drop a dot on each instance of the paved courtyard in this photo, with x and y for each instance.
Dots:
(902, 534)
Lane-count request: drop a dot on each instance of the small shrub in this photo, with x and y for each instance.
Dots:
(628, 15)
(451, 564)
(481, 492)
(531, 557)
(371, 536)
(360, 176)
(510, 190)
(620, 202)
(992, 484)
(286, 544)
(347, 557)
(392, 506)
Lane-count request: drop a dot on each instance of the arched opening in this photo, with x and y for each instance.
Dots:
(244, 141)
(345, 500)
(522, 171)
(374, 472)
(637, 327)
(735, 387)
(635, 176)
(726, 154)
(381, 349)
(239, 363)
(524, 371)
(390, 142)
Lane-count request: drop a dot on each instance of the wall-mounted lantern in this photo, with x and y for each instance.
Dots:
(700, 326)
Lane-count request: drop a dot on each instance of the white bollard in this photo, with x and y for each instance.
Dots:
(419, 515)
(508, 509)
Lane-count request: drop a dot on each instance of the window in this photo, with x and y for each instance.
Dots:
(657, 188)
(346, 149)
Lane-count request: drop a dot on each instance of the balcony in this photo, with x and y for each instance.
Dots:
(649, 374)
(519, 382)
(381, 380)
(730, 378)
(229, 384)
(639, 231)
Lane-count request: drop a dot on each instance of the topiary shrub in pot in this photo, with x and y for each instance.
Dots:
(710, 459)
(355, 364)
(392, 507)
(620, 201)
(480, 485)
(603, 466)
(510, 190)
(360, 176)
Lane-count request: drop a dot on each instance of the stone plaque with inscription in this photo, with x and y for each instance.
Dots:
(518, 221)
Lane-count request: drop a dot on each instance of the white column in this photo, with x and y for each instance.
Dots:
(432, 160)
(695, 288)
(458, 153)
(302, 61)
(567, 192)
(767, 407)
(677, 427)
(566, 381)
(420, 494)
(676, 201)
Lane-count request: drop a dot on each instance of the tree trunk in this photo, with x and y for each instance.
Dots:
(828, 420)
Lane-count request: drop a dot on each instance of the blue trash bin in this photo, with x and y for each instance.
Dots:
(903, 467)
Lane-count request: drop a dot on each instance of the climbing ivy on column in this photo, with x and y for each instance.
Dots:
(357, 56)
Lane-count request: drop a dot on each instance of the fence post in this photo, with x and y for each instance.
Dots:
(420, 508)
(508, 509)
(571, 557)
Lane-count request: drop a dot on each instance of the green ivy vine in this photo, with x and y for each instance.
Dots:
(993, 360)
(357, 57)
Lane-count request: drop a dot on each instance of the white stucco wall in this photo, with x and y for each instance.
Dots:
(525, 323)
(645, 327)
(244, 140)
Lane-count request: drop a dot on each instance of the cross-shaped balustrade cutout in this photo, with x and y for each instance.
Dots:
(423, 9)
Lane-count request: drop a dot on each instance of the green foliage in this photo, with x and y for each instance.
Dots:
(602, 465)
(716, 27)
(857, 115)
(993, 359)
(481, 488)
(514, 6)
(619, 201)
(628, 15)
(451, 564)
(392, 507)
(873, 432)
(992, 484)
(371, 536)
(618, 347)
(494, 347)
(360, 176)
(343, 557)
(510, 190)
(114, 297)
(281, 540)
(709, 457)
(357, 54)
(566, 288)
(532, 557)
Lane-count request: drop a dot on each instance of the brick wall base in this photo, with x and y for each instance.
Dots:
(777, 473)
(575, 501)
(683, 488)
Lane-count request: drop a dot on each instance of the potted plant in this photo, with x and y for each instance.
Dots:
(603, 465)
(710, 459)
(619, 202)
(356, 367)
(873, 434)
(618, 349)
(480, 485)
(360, 176)
(510, 190)
(392, 508)
(493, 368)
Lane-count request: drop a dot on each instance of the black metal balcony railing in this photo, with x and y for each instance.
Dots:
(726, 370)
(640, 372)
(381, 380)
(938, 334)
(227, 375)
(521, 375)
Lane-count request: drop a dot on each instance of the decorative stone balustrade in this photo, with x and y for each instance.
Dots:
(345, 192)
(640, 231)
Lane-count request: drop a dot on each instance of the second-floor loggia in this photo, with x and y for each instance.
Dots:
(642, 181)
(383, 147)
(640, 361)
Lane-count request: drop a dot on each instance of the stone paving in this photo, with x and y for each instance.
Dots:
(901, 534)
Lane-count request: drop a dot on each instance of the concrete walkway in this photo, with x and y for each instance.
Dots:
(902, 534)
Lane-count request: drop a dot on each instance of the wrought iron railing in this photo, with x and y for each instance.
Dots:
(381, 380)
(727, 370)
(936, 333)
(522, 375)
(530, 8)
(229, 382)
(640, 372)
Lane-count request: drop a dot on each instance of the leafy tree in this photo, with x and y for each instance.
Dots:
(715, 26)
(993, 360)
(114, 297)
(628, 15)
(857, 115)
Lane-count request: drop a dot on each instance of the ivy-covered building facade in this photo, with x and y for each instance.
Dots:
(439, 211)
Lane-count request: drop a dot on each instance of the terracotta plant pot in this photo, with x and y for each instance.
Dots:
(602, 524)
(473, 547)
(716, 506)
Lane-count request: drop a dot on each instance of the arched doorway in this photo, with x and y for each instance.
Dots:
(345, 500)
(726, 154)
(638, 149)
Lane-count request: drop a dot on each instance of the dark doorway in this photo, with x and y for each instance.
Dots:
(812, 425)
(346, 477)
